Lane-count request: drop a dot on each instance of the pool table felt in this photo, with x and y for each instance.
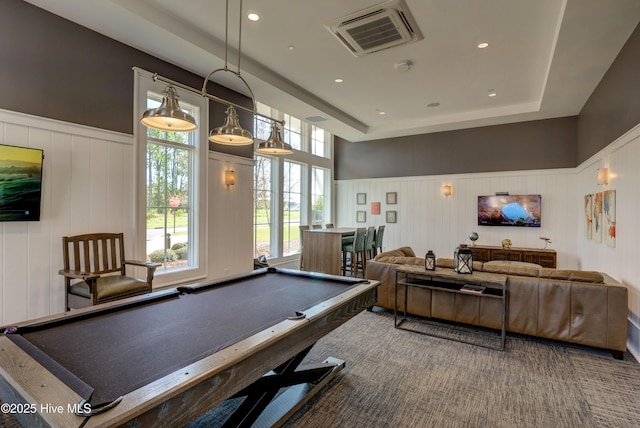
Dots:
(118, 352)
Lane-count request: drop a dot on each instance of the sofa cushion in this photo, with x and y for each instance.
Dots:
(398, 252)
(572, 275)
(511, 268)
(445, 262)
(400, 260)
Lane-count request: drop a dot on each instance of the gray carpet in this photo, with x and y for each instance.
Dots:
(396, 378)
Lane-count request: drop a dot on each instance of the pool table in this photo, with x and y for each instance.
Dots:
(168, 357)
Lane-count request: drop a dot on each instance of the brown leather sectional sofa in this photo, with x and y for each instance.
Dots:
(584, 307)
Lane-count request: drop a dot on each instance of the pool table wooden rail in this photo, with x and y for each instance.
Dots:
(189, 392)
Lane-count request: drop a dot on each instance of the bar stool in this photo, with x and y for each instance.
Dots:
(356, 252)
(378, 241)
(369, 240)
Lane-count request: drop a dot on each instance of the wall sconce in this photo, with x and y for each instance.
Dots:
(229, 177)
(603, 176)
(447, 190)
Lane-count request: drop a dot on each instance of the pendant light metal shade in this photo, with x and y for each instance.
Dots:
(169, 116)
(274, 145)
(231, 133)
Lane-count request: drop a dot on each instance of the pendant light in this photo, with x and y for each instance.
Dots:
(169, 116)
(231, 133)
(274, 145)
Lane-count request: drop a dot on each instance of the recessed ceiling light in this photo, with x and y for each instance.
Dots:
(292, 48)
(433, 104)
(253, 16)
(492, 93)
(381, 112)
(338, 80)
(483, 45)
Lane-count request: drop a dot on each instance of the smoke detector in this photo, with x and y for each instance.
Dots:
(375, 28)
(403, 65)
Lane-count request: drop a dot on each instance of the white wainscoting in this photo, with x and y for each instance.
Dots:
(622, 157)
(427, 220)
(230, 216)
(87, 187)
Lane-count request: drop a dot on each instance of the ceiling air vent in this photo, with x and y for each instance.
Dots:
(379, 27)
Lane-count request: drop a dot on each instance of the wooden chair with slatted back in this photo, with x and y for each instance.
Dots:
(95, 270)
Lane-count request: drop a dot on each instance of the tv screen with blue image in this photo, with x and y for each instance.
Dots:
(510, 210)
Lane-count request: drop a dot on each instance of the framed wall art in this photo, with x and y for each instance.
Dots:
(391, 216)
(609, 218)
(392, 198)
(361, 216)
(361, 198)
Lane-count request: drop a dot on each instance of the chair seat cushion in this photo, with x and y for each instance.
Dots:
(111, 286)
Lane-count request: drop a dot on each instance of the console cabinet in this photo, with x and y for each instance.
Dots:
(485, 253)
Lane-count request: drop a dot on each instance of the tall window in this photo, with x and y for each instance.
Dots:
(319, 147)
(262, 207)
(171, 171)
(320, 203)
(291, 204)
(293, 131)
(169, 166)
(291, 190)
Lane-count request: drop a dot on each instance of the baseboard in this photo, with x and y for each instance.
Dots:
(633, 339)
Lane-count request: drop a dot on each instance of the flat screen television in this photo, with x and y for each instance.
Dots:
(509, 210)
(20, 183)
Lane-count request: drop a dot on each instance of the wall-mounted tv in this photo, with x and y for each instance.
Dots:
(509, 210)
(20, 183)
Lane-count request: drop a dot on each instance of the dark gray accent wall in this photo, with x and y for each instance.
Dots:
(519, 146)
(614, 106)
(54, 68)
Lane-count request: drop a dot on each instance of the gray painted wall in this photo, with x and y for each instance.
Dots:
(612, 110)
(54, 68)
(520, 146)
(614, 106)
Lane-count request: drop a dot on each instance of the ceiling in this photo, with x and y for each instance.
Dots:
(544, 58)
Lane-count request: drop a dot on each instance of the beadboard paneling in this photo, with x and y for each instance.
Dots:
(86, 188)
(89, 186)
(230, 216)
(622, 157)
(429, 221)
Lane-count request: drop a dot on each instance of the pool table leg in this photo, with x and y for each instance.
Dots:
(265, 405)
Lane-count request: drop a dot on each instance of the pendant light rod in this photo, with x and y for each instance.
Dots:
(204, 93)
(239, 34)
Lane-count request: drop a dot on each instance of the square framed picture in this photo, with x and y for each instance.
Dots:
(361, 216)
(361, 198)
(391, 217)
(392, 198)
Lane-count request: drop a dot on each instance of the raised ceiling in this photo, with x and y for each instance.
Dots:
(544, 57)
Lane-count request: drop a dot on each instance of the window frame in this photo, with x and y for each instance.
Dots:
(144, 83)
(308, 161)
